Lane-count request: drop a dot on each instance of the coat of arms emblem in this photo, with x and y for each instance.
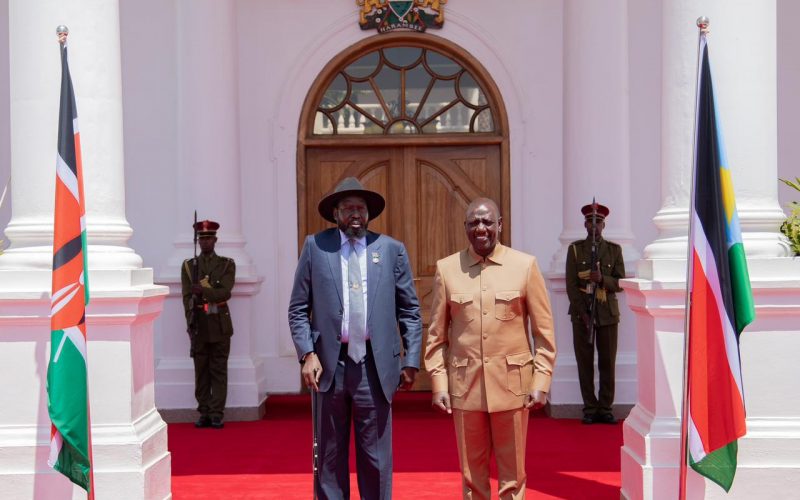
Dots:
(391, 15)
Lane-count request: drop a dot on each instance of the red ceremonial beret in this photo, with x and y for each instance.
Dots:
(595, 209)
(206, 228)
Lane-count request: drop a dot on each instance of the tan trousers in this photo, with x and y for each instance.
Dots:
(478, 434)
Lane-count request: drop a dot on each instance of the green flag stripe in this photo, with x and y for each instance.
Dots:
(67, 405)
(743, 304)
(719, 465)
(74, 465)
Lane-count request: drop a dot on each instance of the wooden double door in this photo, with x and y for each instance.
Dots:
(427, 190)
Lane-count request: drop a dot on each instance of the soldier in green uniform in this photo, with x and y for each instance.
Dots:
(602, 281)
(207, 281)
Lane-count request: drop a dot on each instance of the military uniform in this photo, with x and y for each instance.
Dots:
(211, 344)
(606, 319)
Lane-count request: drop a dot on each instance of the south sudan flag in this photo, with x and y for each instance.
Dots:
(720, 297)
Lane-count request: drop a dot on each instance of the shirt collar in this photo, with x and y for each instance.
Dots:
(360, 242)
(497, 255)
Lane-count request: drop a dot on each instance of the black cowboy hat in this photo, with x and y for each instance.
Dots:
(350, 187)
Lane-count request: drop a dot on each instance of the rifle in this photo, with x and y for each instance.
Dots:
(192, 326)
(592, 266)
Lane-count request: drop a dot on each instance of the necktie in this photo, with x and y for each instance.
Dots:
(356, 327)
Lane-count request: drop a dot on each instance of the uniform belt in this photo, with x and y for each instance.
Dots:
(219, 304)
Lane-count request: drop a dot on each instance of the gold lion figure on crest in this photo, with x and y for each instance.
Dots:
(366, 7)
(437, 5)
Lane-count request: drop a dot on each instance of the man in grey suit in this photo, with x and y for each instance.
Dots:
(352, 304)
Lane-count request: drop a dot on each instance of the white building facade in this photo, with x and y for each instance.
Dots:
(208, 105)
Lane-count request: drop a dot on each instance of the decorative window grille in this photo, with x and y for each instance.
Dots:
(403, 90)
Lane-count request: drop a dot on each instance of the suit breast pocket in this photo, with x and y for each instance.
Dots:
(507, 305)
(462, 307)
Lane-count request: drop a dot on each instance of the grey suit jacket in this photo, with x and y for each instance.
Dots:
(316, 306)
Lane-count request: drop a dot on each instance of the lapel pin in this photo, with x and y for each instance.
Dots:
(376, 257)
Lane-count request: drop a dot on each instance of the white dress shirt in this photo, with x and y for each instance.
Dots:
(361, 252)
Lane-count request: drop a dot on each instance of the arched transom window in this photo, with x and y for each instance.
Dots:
(403, 90)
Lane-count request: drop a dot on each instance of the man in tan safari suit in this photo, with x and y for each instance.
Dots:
(483, 369)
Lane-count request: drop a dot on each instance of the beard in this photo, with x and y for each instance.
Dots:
(353, 232)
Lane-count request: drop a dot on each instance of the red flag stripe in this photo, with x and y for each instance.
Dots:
(711, 388)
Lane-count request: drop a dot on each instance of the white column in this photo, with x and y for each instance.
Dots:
(208, 113)
(596, 121)
(596, 165)
(96, 76)
(209, 181)
(129, 437)
(743, 56)
(742, 40)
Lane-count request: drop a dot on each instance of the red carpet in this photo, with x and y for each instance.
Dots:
(271, 458)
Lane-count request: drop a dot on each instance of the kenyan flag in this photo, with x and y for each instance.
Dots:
(67, 390)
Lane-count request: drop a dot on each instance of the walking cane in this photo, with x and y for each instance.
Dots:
(314, 447)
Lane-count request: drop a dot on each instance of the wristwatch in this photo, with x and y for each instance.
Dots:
(303, 359)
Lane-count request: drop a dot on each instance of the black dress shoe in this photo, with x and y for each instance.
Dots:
(605, 418)
(588, 419)
(217, 423)
(203, 421)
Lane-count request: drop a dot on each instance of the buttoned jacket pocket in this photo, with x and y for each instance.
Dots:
(457, 376)
(520, 372)
(507, 305)
(461, 306)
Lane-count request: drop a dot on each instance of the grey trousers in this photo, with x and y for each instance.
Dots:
(356, 399)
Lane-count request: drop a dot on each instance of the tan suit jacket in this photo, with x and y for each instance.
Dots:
(478, 348)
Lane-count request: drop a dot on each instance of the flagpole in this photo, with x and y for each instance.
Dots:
(2, 201)
(5, 190)
(702, 24)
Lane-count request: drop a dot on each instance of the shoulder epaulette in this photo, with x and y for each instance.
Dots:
(228, 262)
(186, 264)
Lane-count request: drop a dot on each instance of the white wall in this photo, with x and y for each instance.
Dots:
(788, 99)
(644, 42)
(5, 123)
(149, 91)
